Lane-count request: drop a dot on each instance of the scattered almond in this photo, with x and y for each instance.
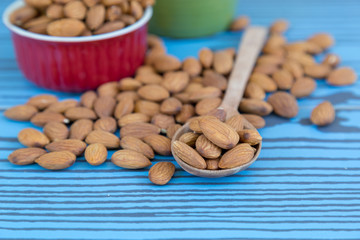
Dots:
(188, 155)
(238, 156)
(206, 148)
(240, 23)
(284, 104)
(160, 144)
(76, 113)
(107, 124)
(56, 131)
(342, 76)
(139, 130)
(56, 160)
(250, 136)
(255, 106)
(323, 114)
(104, 106)
(32, 138)
(42, 101)
(255, 120)
(133, 118)
(130, 159)
(135, 144)
(303, 87)
(161, 173)
(80, 129)
(109, 140)
(95, 154)
(189, 138)
(75, 146)
(21, 112)
(25, 156)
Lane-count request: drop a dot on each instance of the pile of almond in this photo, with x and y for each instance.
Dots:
(213, 144)
(72, 18)
(288, 70)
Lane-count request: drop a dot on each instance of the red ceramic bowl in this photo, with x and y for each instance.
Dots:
(76, 64)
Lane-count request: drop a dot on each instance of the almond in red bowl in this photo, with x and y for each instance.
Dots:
(76, 64)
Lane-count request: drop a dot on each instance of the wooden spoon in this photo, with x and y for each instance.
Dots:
(249, 49)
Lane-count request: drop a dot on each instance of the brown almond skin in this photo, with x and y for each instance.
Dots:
(22, 15)
(135, 144)
(61, 107)
(192, 66)
(270, 59)
(147, 107)
(109, 89)
(66, 27)
(194, 123)
(214, 79)
(153, 92)
(324, 40)
(342, 76)
(56, 160)
(96, 154)
(294, 68)
(188, 155)
(267, 69)
(223, 62)
(303, 87)
(206, 148)
(139, 130)
(236, 122)
(127, 95)
(161, 173)
(284, 104)
(133, 118)
(110, 27)
(253, 90)
(95, 16)
(332, 60)
(250, 136)
(171, 130)
(32, 138)
(56, 131)
(207, 105)
(238, 156)
(80, 129)
(55, 11)
(75, 146)
(129, 84)
(302, 58)
(109, 140)
(104, 106)
(170, 106)
(206, 92)
(219, 133)
(206, 57)
(130, 159)
(264, 81)
(90, 3)
(189, 138)
(107, 124)
(42, 101)
(240, 23)
(21, 112)
(255, 120)
(283, 79)
(255, 106)
(212, 164)
(25, 156)
(75, 9)
(77, 113)
(149, 78)
(124, 107)
(279, 26)
(42, 118)
(323, 114)
(187, 111)
(166, 63)
(160, 144)
(162, 121)
(176, 82)
(87, 99)
(317, 71)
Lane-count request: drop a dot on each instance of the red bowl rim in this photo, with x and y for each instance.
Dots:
(17, 4)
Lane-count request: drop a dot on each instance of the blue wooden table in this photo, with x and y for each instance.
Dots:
(305, 185)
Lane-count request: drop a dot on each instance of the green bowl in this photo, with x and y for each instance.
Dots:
(191, 18)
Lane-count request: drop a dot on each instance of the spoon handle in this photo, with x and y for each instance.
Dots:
(248, 51)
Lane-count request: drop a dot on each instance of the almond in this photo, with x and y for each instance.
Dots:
(170, 106)
(317, 70)
(218, 132)
(192, 66)
(206, 148)
(236, 122)
(135, 144)
(342, 76)
(194, 124)
(87, 99)
(127, 94)
(75, 146)
(22, 15)
(80, 129)
(188, 155)
(153, 92)
(109, 140)
(147, 107)
(267, 69)
(129, 84)
(279, 26)
(206, 57)
(275, 41)
(255, 120)
(206, 92)
(283, 79)
(302, 58)
(130, 159)
(162, 121)
(39, 21)
(110, 27)
(124, 107)
(324, 40)
(250, 136)
(166, 63)
(294, 68)
(214, 79)
(109, 89)
(270, 59)
(255, 106)
(175, 82)
(189, 138)
(323, 114)
(21, 112)
(108, 3)
(133, 118)
(96, 154)
(238, 156)
(61, 107)
(38, 3)
(113, 13)
(55, 11)
(284, 104)
(160, 144)
(212, 164)
(264, 81)
(183, 97)
(42, 118)
(206, 105)
(149, 78)
(139, 130)
(75, 9)
(104, 106)
(161, 173)
(56, 131)
(56, 160)
(193, 87)
(171, 130)
(219, 113)
(76, 113)
(136, 9)
(187, 111)
(332, 60)
(303, 87)
(223, 62)
(240, 23)
(253, 90)
(107, 124)
(95, 16)
(154, 41)
(90, 3)
(42, 101)
(66, 27)
(25, 156)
